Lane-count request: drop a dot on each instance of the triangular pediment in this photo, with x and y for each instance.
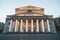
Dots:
(29, 10)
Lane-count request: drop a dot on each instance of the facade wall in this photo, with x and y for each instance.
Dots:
(41, 22)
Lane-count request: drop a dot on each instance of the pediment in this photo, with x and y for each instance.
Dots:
(29, 10)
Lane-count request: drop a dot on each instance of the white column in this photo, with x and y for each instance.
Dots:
(43, 30)
(10, 27)
(37, 26)
(21, 21)
(32, 27)
(16, 26)
(48, 26)
(26, 25)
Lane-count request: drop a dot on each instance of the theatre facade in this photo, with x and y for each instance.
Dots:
(29, 19)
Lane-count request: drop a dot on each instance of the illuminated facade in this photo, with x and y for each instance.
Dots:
(29, 19)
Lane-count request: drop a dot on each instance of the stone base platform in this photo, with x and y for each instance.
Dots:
(26, 36)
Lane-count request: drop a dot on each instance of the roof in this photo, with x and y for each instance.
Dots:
(30, 7)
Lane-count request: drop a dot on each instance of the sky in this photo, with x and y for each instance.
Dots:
(7, 7)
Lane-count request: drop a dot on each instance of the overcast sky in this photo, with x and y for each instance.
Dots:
(7, 7)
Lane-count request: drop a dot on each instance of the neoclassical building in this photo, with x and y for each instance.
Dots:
(29, 19)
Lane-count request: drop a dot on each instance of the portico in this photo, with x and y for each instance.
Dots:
(32, 24)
